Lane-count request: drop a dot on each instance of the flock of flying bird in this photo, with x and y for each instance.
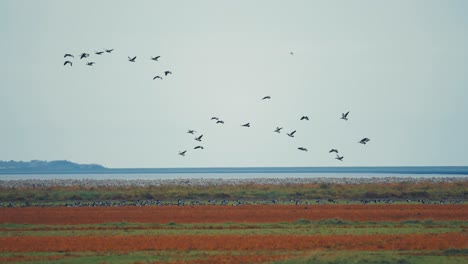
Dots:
(344, 116)
(84, 55)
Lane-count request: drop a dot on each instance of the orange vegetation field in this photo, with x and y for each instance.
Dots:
(42, 234)
(234, 242)
(222, 214)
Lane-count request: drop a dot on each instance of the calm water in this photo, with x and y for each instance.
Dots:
(149, 176)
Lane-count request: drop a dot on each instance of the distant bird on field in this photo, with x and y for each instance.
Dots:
(98, 52)
(190, 131)
(132, 59)
(333, 150)
(246, 125)
(157, 77)
(278, 129)
(302, 148)
(109, 50)
(364, 141)
(220, 122)
(305, 118)
(199, 138)
(84, 55)
(155, 58)
(344, 116)
(198, 147)
(182, 153)
(340, 158)
(167, 73)
(90, 63)
(68, 55)
(266, 97)
(214, 118)
(68, 62)
(291, 134)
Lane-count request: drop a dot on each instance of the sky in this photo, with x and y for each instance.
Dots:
(400, 67)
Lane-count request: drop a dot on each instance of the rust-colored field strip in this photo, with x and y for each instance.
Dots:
(221, 214)
(234, 242)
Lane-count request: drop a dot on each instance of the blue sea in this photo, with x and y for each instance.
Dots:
(242, 172)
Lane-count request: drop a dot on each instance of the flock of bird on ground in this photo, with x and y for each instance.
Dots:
(344, 116)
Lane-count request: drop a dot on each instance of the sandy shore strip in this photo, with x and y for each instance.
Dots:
(37, 183)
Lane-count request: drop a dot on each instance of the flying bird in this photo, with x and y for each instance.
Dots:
(302, 148)
(84, 55)
(278, 129)
(98, 52)
(214, 118)
(291, 134)
(246, 125)
(157, 77)
(305, 118)
(333, 150)
(291, 53)
(198, 147)
(167, 72)
(364, 141)
(191, 131)
(199, 138)
(132, 59)
(266, 97)
(109, 50)
(220, 122)
(340, 158)
(68, 55)
(90, 63)
(68, 62)
(155, 58)
(344, 116)
(182, 153)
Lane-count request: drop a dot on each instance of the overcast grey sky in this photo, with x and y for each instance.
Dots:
(400, 67)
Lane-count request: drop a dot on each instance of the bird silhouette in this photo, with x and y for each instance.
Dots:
(246, 125)
(191, 131)
(302, 148)
(340, 158)
(278, 129)
(291, 134)
(167, 72)
(68, 55)
(344, 116)
(199, 138)
(132, 59)
(198, 147)
(98, 52)
(364, 141)
(220, 122)
(155, 58)
(90, 63)
(333, 150)
(109, 50)
(84, 55)
(291, 53)
(214, 118)
(266, 97)
(68, 62)
(182, 153)
(305, 118)
(157, 77)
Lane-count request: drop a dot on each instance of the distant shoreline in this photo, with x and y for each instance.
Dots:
(38, 183)
(453, 170)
